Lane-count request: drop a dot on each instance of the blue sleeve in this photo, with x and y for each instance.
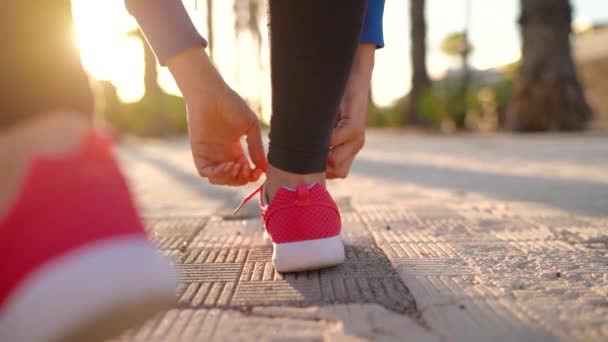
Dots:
(372, 26)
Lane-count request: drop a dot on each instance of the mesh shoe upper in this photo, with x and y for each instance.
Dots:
(308, 213)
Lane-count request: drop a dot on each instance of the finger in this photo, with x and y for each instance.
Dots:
(218, 174)
(340, 171)
(206, 171)
(342, 133)
(203, 166)
(224, 167)
(232, 175)
(243, 175)
(255, 175)
(256, 146)
(339, 154)
(329, 174)
(332, 172)
(235, 170)
(245, 172)
(211, 170)
(340, 160)
(244, 161)
(344, 169)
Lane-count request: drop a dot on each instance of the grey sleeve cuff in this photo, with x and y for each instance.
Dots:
(166, 25)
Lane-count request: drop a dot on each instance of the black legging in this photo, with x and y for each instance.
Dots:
(312, 47)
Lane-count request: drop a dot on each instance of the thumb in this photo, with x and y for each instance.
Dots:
(256, 146)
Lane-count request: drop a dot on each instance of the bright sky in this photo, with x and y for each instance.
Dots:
(109, 54)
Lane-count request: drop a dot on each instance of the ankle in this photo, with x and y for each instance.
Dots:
(277, 178)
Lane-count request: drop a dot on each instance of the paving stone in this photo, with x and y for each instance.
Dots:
(365, 277)
(497, 238)
(226, 265)
(174, 232)
(220, 233)
(358, 321)
(351, 322)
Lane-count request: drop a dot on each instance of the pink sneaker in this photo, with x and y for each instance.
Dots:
(75, 262)
(304, 225)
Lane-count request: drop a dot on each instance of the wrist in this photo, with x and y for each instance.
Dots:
(195, 75)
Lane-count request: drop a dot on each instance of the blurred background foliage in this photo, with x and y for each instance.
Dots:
(441, 106)
(162, 116)
(530, 94)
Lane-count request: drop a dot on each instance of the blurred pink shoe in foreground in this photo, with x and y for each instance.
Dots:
(75, 260)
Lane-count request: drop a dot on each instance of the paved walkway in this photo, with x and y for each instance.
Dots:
(460, 238)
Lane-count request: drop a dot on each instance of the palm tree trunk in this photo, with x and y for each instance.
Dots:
(420, 76)
(151, 85)
(152, 101)
(548, 94)
(210, 27)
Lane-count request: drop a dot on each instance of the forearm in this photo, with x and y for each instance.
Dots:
(363, 63)
(195, 75)
(166, 25)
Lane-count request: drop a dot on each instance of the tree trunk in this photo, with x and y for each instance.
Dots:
(152, 100)
(420, 76)
(210, 27)
(548, 94)
(151, 85)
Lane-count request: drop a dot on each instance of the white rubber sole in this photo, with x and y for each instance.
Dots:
(90, 294)
(308, 255)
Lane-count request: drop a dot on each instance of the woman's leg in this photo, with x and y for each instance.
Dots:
(313, 43)
(312, 47)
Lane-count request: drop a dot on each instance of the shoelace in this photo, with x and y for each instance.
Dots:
(248, 198)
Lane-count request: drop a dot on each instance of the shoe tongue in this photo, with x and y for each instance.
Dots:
(302, 193)
(309, 186)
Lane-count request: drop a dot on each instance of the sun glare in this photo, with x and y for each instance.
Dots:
(107, 51)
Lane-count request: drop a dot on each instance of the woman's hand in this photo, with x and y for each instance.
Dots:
(348, 136)
(217, 120)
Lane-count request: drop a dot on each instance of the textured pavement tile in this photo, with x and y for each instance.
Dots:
(464, 273)
(225, 264)
(473, 279)
(352, 322)
(496, 238)
(219, 233)
(174, 232)
(246, 277)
